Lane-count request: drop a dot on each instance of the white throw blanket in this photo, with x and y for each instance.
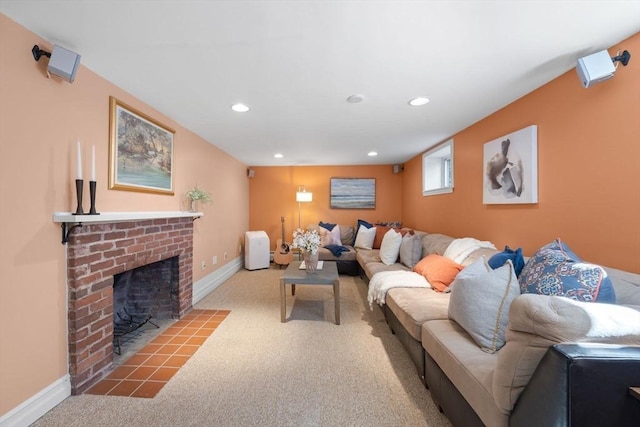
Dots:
(382, 281)
(460, 249)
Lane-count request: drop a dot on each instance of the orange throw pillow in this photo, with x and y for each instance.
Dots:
(438, 270)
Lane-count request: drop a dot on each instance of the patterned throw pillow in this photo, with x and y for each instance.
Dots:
(555, 270)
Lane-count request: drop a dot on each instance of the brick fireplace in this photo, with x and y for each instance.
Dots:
(96, 252)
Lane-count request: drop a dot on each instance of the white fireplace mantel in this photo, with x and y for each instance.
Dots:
(65, 218)
(121, 216)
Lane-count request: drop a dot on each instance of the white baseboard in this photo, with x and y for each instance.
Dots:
(202, 287)
(36, 406)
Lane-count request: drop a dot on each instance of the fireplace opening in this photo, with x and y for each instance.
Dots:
(145, 300)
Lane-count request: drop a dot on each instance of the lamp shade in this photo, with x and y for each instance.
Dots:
(304, 196)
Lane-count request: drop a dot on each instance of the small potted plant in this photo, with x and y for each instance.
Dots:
(198, 195)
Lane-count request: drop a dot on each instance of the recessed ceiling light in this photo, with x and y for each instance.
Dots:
(278, 155)
(240, 108)
(421, 100)
(354, 99)
(372, 153)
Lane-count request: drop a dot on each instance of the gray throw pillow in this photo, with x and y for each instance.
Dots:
(410, 250)
(480, 303)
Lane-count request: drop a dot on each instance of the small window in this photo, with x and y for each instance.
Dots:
(437, 170)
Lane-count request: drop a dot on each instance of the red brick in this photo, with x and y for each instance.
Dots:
(86, 320)
(84, 260)
(123, 259)
(125, 242)
(110, 272)
(135, 232)
(135, 248)
(99, 305)
(103, 284)
(86, 364)
(101, 247)
(115, 235)
(84, 239)
(99, 266)
(152, 245)
(114, 254)
(77, 313)
(151, 230)
(99, 346)
(88, 280)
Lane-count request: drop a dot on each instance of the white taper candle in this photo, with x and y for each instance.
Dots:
(93, 163)
(79, 155)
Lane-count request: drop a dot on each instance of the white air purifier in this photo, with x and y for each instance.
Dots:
(256, 250)
(595, 68)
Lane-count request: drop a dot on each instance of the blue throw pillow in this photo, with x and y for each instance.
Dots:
(327, 225)
(555, 270)
(499, 259)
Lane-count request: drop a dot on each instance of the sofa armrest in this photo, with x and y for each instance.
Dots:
(581, 385)
(561, 319)
(537, 322)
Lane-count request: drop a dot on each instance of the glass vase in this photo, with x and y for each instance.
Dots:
(310, 261)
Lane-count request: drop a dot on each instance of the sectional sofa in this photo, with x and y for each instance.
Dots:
(562, 362)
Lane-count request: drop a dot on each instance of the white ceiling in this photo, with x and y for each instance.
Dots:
(295, 63)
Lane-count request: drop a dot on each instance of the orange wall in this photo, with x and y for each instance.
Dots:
(40, 121)
(588, 172)
(272, 194)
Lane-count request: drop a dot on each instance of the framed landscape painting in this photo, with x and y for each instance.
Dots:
(511, 168)
(140, 151)
(353, 193)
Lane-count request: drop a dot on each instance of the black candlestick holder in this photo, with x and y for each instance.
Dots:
(79, 210)
(92, 195)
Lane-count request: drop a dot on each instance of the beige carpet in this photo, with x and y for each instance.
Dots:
(256, 371)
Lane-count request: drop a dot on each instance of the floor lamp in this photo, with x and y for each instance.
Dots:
(302, 196)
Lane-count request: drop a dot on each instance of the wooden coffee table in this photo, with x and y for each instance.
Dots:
(294, 276)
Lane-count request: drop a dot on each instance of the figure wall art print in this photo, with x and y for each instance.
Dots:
(511, 168)
(140, 151)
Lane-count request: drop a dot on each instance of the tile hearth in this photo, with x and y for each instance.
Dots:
(145, 373)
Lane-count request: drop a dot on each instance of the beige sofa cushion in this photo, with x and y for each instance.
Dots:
(373, 267)
(626, 285)
(414, 306)
(469, 368)
(435, 244)
(536, 322)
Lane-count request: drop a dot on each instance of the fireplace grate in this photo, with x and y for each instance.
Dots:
(125, 323)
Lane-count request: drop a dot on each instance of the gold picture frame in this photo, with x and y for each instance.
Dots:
(140, 151)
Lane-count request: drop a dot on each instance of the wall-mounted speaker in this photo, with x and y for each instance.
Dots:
(63, 63)
(595, 68)
(251, 173)
(398, 168)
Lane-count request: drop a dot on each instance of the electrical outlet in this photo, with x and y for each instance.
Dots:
(214, 260)
(226, 255)
(204, 265)
(239, 249)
